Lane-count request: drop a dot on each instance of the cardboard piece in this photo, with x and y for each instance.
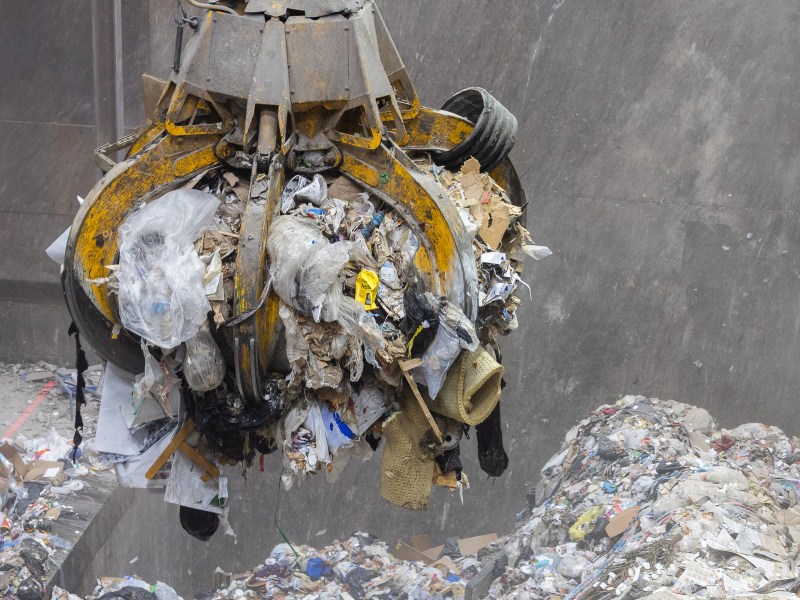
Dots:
(496, 220)
(445, 565)
(450, 480)
(471, 545)
(5, 468)
(418, 548)
(620, 522)
(474, 189)
(403, 551)
(38, 470)
(472, 165)
(698, 442)
(344, 189)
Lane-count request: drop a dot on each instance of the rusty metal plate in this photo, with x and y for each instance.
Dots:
(310, 8)
(235, 43)
(270, 80)
(318, 65)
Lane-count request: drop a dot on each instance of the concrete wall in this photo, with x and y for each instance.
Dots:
(659, 148)
(47, 116)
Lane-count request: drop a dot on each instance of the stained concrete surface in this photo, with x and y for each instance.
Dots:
(658, 146)
(83, 513)
(46, 139)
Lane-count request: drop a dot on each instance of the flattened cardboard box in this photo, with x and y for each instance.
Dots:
(40, 469)
(418, 547)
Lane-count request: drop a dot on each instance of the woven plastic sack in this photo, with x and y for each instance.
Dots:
(471, 390)
(406, 472)
(161, 293)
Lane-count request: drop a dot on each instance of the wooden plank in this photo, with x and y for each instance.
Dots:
(210, 469)
(170, 450)
(406, 366)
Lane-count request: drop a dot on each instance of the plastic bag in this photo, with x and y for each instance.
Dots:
(315, 424)
(296, 345)
(204, 366)
(156, 383)
(319, 281)
(339, 433)
(359, 213)
(161, 292)
(536, 252)
(305, 267)
(456, 332)
(359, 323)
(299, 188)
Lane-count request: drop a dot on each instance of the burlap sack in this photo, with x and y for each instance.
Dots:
(406, 472)
(471, 389)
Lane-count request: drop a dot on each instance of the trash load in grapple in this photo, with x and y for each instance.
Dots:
(297, 255)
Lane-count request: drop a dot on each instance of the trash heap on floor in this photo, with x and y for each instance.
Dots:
(122, 588)
(646, 499)
(370, 353)
(36, 480)
(357, 568)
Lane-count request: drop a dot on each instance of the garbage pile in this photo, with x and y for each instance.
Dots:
(371, 352)
(646, 499)
(36, 480)
(122, 588)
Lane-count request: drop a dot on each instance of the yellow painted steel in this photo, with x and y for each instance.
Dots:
(439, 249)
(159, 168)
(158, 165)
(436, 130)
(148, 136)
(372, 135)
(251, 277)
(370, 143)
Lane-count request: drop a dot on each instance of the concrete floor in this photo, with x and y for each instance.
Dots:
(30, 416)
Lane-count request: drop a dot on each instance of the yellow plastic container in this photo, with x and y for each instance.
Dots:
(367, 284)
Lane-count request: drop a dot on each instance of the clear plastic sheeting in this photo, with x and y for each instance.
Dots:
(314, 191)
(306, 267)
(161, 290)
(204, 366)
(456, 333)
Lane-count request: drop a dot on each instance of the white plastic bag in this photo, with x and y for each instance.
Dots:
(316, 425)
(301, 189)
(204, 366)
(356, 321)
(305, 267)
(456, 332)
(161, 293)
(319, 284)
